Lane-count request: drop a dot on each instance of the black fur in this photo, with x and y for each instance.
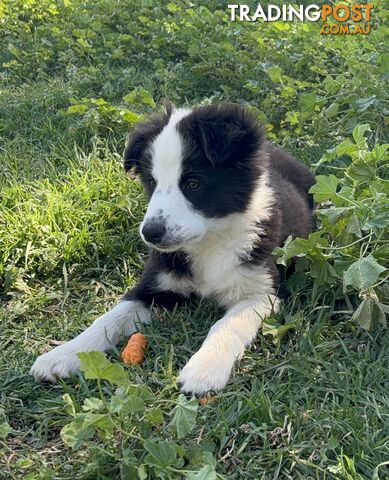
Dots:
(147, 289)
(222, 145)
(136, 154)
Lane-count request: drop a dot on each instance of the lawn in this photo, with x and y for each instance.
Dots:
(309, 400)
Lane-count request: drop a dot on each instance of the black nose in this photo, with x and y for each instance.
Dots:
(153, 232)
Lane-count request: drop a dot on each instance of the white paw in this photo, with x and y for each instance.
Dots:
(208, 370)
(61, 362)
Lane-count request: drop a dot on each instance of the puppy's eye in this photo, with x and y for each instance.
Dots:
(192, 185)
(151, 181)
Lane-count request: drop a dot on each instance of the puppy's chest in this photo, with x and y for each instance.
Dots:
(215, 272)
(218, 273)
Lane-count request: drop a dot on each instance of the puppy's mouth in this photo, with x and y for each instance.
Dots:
(171, 245)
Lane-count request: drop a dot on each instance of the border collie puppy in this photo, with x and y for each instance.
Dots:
(221, 199)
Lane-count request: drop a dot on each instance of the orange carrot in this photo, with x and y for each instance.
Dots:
(205, 400)
(133, 352)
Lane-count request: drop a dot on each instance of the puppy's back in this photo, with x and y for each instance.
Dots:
(292, 171)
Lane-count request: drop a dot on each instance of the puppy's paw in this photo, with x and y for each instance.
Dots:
(61, 362)
(207, 371)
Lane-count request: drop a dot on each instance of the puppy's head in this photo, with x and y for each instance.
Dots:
(197, 167)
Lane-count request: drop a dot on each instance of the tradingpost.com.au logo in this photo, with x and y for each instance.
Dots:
(352, 19)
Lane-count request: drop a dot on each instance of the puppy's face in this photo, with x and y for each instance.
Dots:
(197, 168)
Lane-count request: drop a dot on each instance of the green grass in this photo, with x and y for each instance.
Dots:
(313, 405)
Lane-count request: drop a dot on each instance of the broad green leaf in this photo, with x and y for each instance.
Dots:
(84, 43)
(92, 404)
(161, 453)
(155, 416)
(130, 97)
(275, 74)
(331, 84)
(83, 427)
(75, 433)
(115, 374)
(301, 247)
(184, 415)
(307, 101)
(172, 7)
(95, 365)
(103, 422)
(126, 404)
(382, 311)
(80, 108)
(379, 220)
(363, 273)
(363, 104)
(379, 153)
(325, 187)
(359, 134)
(383, 62)
(140, 95)
(129, 116)
(99, 102)
(141, 391)
(363, 315)
(271, 327)
(24, 463)
(205, 473)
(142, 474)
(146, 97)
(70, 408)
(5, 427)
(354, 226)
(347, 147)
(292, 117)
(286, 92)
(332, 110)
(335, 213)
(344, 196)
(135, 404)
(360, 172)
(323, 271)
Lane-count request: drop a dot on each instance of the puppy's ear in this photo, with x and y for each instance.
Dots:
(142, 136)
(135, 148)
(132, 153)
(228, 133)
(220, 140)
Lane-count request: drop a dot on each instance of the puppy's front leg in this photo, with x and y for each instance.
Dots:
(104, 332)
(209, 369)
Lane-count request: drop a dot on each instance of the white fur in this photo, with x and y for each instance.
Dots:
(209, 369)
(104, 333)
(183, 224)
(167, 151)
(170, 282)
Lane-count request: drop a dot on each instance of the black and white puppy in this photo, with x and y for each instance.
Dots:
(221, 199)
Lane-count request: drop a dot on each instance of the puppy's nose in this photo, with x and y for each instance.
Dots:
(153, 232)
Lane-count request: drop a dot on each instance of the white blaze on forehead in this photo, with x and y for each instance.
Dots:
(167, 150)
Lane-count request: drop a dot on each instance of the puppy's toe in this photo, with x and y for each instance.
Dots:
(58, 363)
(206, 372)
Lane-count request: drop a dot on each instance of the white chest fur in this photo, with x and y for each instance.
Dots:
(219, 270)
